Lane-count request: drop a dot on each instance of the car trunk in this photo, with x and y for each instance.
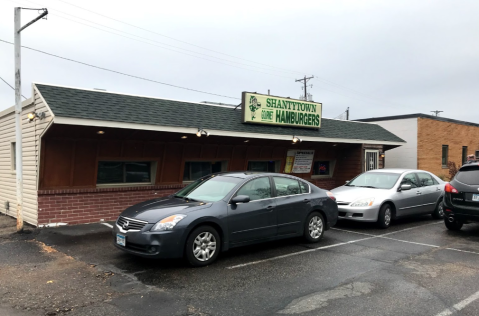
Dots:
(467, 183)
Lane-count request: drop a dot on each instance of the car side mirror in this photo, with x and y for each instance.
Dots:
(405, 187)
(240, 199)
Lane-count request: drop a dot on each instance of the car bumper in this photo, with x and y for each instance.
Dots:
(165, 244)
(463, 214)
(359, 214)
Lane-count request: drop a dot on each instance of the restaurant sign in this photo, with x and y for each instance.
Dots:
(267, 109)
(299, 161)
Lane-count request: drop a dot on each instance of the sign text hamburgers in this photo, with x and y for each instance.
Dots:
(266, 109)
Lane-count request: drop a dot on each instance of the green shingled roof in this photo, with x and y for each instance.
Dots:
(97, 105)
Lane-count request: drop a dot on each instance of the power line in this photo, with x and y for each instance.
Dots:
(176, 48)
(121, 73)
(174, 39)
(11, 86)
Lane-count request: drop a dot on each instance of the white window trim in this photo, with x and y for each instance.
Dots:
(332, 164)
(153, 169)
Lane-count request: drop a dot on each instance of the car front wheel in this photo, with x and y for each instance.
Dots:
(314, 227)
(385, 216)
(202, 246)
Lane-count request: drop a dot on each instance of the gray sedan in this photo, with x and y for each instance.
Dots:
(385, 194)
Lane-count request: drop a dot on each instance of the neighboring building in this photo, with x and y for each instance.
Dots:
(96, 153)
(432, 141)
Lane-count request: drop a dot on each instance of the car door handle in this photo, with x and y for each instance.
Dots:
(438, 189)
(270, 208)
(306, 200)
(418, 193)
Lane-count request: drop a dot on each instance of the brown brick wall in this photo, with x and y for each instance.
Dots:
(433, 134)
(82, 206)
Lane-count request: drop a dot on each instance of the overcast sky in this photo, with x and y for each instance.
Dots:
(377, 57)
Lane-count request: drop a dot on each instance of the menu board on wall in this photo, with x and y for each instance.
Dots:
(299, 161)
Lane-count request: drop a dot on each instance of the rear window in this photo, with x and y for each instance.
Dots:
(468, 176)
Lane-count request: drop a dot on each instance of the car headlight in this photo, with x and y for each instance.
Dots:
(167, 223)
(363, 202)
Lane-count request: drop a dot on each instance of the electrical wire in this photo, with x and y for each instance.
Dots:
(122, 73)
(11, 86)
(174, 39)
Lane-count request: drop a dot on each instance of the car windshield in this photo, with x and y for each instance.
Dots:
(209, 189)
(375, 180)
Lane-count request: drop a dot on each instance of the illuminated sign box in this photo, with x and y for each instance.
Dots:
(267, 109)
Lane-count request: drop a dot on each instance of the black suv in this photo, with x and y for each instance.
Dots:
(461, 197)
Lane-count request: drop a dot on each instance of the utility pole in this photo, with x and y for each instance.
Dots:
(437, 112)
(347, 114)
(18, 108)
(305, 81)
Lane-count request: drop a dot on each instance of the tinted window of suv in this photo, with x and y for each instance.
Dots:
(468, 176)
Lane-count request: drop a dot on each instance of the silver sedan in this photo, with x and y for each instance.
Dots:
(385, 194)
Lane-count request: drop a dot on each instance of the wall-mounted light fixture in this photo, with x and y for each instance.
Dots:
(202, 132)
(184, 137)
(100, 132)
(382, 154)
(33, 115)
(296, 139)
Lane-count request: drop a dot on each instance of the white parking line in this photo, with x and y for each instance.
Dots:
(459, 305)
(324, 247)
(109, 225)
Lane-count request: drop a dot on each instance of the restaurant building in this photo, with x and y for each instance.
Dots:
(89, 154)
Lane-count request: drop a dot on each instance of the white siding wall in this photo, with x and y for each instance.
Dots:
(31, 157)
(404, 156)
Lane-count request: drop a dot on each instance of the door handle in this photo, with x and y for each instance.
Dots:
(270, 208)
(306, 200)
(418, 193)
(438, 189)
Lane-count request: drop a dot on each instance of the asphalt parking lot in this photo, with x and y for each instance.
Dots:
(416, 267)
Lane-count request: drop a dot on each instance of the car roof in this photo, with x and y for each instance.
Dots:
(397, 170)
(248, 174)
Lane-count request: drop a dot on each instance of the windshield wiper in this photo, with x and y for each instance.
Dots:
(367, 186)
(190, 199)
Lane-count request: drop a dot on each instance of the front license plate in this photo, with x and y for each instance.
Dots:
(475, 197)
(121, 240)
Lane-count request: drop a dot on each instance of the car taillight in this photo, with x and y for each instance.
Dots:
(450, 189)
(331, 195)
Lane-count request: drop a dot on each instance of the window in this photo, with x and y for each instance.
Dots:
(477, 154)
(469, 176)
(256, 189)
(321, 168)
(264, 166)
(304, 187)
(376, 180)
(411, 180)
(371, 159)
(445, 153)
(210, 189)
(464, 154)
(14, 156)
(425, 179)
(117, 172)
(286, 186)
(197, 169)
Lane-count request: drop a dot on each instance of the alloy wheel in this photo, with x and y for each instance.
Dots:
(440, 210)
(204, 246)
(387, 216)
(315, 227)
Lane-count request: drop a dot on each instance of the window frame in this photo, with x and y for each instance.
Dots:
(434, 182)
(13, 157)
(223, 168)
(153, 172)
(464, 154)
(332, 165)
(415, 175)
(444, 166)
(476, 154)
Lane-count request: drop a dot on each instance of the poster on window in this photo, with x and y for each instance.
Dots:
(299, 161)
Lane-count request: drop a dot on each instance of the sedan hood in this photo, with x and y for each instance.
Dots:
(350, 194)
(154, 210)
